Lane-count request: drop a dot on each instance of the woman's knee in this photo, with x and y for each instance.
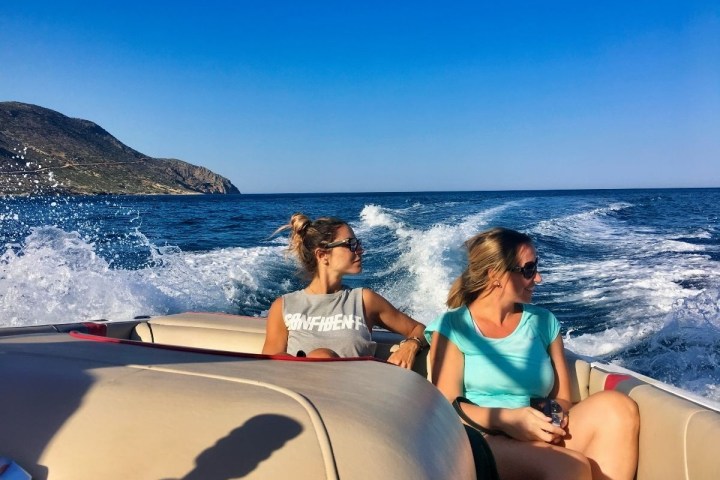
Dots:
(619, 410)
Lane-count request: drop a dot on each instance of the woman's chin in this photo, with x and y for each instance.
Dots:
(357, 268)
(527, 298)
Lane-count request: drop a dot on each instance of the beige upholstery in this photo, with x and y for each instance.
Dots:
(77, 409)
(596, 381)
(236, 333)
(579, 370)
(142, 332)
(677, 436)
(703, 431)
(217, 331)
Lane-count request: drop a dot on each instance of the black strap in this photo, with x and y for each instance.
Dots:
(485, 467)
(456, 405)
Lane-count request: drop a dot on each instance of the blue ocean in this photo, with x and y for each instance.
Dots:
(633, 275)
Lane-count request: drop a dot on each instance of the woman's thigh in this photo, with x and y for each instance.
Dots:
(536, 460)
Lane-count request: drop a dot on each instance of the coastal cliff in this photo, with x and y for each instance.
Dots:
(45, 152)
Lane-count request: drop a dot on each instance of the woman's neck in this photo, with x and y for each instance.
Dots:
(490, 309)
(323, 285)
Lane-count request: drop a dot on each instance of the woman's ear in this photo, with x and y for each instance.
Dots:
(321, 256)
(494, 276)
(491, 274)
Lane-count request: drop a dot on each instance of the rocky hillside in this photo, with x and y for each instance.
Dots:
(44, 152)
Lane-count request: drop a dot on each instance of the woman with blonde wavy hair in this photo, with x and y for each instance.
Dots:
(493, 353)
(326, 319)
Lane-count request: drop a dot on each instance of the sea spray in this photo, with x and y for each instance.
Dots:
(686, 350)
(57, 277)
(417, 277)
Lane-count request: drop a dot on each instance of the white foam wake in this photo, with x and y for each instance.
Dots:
(57, 277)
(425, 260)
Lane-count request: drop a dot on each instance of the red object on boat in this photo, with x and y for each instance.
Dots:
(614, 379)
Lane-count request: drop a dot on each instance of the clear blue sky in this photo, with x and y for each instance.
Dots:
(303, 96)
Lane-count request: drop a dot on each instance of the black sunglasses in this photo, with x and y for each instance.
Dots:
(352, 243)
(529, 270)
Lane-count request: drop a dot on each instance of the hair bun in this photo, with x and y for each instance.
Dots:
(299, 223)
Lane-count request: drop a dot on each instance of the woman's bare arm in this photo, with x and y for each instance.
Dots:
(378, 311)
(276, 333)
(561, 390)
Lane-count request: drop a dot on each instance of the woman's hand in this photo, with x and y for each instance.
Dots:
(528, 424)
(565, 420)
(405, 354)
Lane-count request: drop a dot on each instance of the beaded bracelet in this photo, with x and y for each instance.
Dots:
(419, 341)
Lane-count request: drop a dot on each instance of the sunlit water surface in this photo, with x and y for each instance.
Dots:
(633, 275)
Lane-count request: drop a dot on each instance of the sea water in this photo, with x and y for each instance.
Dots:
(633, 275)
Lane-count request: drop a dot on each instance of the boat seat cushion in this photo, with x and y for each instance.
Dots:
(236, 333)
(579, 370)
(230, 333)
(674, 431)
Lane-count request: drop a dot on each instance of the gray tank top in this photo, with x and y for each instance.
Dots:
(335, 321)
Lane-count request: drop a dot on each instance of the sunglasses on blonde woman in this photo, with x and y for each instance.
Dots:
(352, 243)
(529, 270)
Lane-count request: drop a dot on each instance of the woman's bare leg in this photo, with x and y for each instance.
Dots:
(322, 353)
(537, 460)
(604, 427)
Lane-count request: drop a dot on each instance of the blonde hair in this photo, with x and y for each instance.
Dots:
(306, 236)
(492, 250)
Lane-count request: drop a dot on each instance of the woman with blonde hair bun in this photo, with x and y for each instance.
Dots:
(326, 319)
(494, 353)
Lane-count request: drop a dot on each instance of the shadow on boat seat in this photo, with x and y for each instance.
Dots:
(252, 439)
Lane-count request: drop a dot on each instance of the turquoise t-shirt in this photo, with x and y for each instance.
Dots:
(503, 372)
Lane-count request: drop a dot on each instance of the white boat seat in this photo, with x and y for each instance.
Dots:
(236, 333)
(676, 435)
(216, 331)
(77, 407)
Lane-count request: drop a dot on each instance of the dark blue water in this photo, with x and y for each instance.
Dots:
(633, 275)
